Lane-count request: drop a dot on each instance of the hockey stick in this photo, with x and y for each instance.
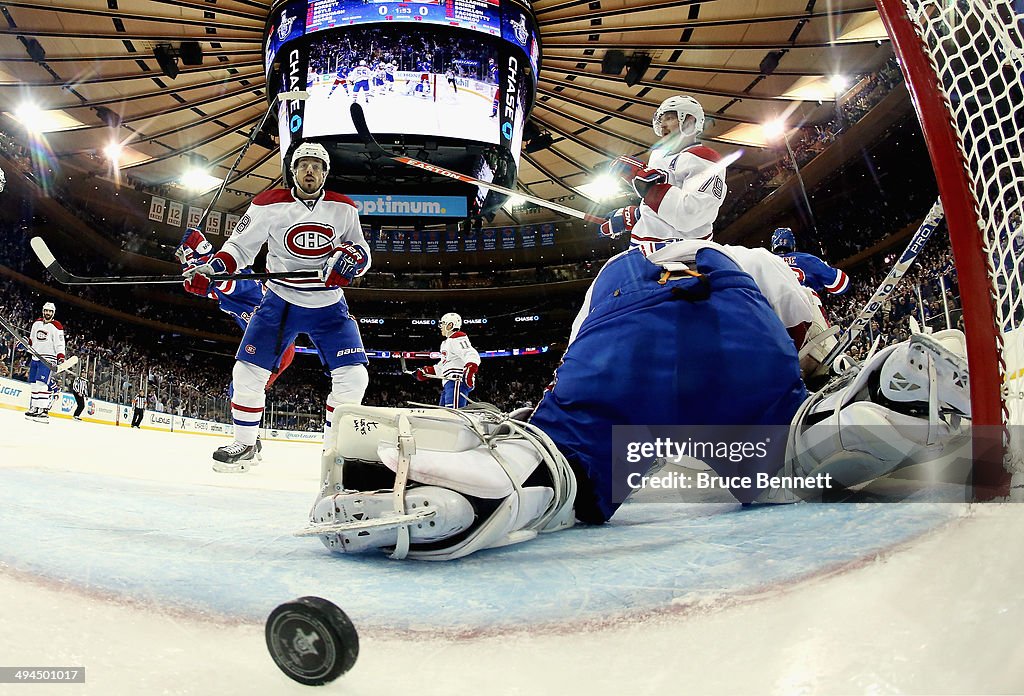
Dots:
(57, 369)
(884, 291)
(297, 95)
(359, 120)
(407, 371)
(62, 276)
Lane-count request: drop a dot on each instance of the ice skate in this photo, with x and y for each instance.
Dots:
(235, 458)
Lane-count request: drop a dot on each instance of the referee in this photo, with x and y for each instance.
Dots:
(79, 388)
(139, 402)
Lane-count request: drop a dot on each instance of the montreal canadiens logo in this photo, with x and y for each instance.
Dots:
(310, 240)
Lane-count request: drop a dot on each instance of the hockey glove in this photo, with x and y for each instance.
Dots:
(197, 284)
(194, 248)
(626, 168)
(621, 220)
(422, 372)
(348, 261)
(469, 374)
(646, 178)
(199, 276)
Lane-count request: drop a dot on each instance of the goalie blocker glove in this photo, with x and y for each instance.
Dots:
(348, 262)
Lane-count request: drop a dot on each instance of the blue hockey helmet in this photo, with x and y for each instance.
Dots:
(783, 240)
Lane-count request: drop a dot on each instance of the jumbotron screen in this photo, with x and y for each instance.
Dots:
(461, 69)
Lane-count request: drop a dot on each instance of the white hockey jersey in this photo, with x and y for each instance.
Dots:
(298, 238)
(47, 339)
(791, 302)
(688, 208)
(456, 352)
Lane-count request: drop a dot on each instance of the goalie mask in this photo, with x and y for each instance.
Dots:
(682, 106)
(49, 311)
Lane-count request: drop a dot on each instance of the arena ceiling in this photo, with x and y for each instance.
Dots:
(90, 65)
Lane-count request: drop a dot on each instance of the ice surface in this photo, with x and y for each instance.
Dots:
(121, 550)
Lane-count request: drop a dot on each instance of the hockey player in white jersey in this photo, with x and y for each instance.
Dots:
(696, 333)
(304, 228)
(360, 78)
(47, 339)
(458, 365)
(681, 187)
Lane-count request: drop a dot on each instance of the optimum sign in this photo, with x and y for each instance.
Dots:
(409, 206)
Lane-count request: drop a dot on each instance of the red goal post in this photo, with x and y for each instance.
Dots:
(963, 61)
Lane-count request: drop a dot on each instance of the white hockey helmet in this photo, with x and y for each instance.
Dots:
(452, 318)
(310, 149)
(52, 309)
(683, 106)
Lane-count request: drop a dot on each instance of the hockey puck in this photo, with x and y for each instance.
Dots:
(312, 640)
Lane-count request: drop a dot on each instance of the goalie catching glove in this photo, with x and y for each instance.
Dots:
(348, 261)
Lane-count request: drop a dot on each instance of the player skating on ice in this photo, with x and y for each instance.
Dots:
(458, 366)
(360, 79)
(340, 80)
(304, 228)
(47, 339)
(682, 186)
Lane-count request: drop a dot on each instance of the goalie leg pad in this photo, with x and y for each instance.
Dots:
(453, 513)
(908, 400)
(477, 454)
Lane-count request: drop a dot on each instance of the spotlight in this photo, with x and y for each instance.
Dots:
(771, 61)
(191, 53)
(167, 59)
(638, 64)
(613, 62)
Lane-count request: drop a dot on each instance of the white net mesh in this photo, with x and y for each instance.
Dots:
(977, 52)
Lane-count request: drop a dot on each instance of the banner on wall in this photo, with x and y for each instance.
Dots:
(433, 242)
(547, 234)
(508, 238)
(415, 242)
(213, 222)
(398, 240)
(175, 213)
(451, 240)
(470, 241)
(529, 236)
(157, 207)
(490, 239)
(230, 220)
(194, 215)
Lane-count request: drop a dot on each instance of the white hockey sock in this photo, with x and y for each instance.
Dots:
(40, 396)
(248, 382)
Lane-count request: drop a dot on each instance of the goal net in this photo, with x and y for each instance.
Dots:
(964, 61)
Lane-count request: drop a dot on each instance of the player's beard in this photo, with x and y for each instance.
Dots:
(305, 188)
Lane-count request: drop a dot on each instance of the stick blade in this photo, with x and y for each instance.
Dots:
(359, 121)
(42, 251)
